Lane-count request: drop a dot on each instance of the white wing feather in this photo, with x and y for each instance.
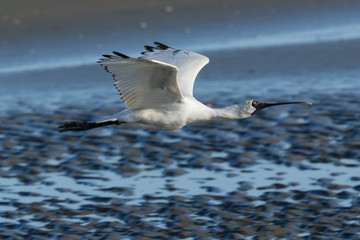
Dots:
(144, 83)
(189, 64)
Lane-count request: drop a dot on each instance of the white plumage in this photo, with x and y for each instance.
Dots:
(157, 90)
(144, 83)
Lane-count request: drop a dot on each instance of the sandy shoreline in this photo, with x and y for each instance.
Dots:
(54, 32)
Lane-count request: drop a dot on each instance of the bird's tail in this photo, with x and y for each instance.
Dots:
(85, 125)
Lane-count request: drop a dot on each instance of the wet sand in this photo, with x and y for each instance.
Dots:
(288, 173)
(285, 173)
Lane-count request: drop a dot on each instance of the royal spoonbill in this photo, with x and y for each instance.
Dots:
(157, 90)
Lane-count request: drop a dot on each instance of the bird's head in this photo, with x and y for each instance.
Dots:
(256, 106)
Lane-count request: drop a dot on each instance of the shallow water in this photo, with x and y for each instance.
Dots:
(287, 173)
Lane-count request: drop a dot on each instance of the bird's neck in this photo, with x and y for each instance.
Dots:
(202, 113)
(229, 113)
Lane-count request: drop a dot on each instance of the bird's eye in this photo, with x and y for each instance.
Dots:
(254, 104)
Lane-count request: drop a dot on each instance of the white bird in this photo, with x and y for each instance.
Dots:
(157, 90)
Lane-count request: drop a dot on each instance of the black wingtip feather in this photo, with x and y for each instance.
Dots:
(120, 54)
(161, 46)
(149, 48)
(107, 56)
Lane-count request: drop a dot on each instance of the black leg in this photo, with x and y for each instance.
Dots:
(85, 125)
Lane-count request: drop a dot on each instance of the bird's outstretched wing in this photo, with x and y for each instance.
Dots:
(189, 64)
(143, 83)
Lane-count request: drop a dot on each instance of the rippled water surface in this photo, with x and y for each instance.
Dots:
(289, 172)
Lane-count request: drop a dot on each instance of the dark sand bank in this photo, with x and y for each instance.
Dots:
(64, 33)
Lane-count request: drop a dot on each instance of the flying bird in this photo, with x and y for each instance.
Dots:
(157, 90)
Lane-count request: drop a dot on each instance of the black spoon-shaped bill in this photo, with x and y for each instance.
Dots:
(260, 105)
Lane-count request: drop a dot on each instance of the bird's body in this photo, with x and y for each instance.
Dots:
(175, 116)
(157, 90)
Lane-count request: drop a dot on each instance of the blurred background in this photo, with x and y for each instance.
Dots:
(285, 173)
(245, 40)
